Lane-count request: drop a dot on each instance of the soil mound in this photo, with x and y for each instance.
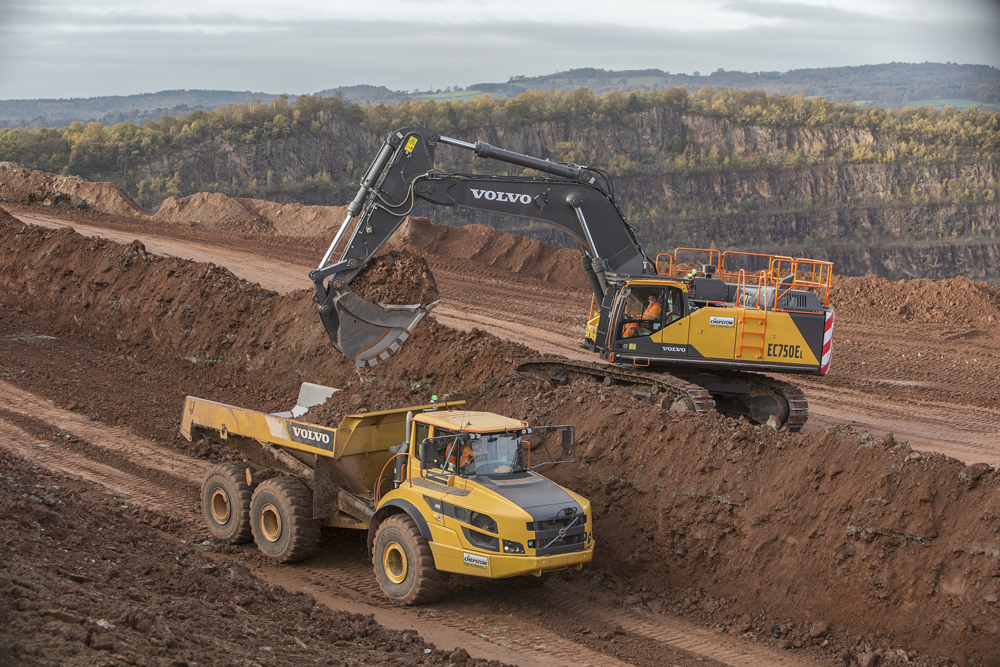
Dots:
(211, 209)
(710, 515)
(953, 301)
(30, 186)
(834, 527)
(124, 593)
(6, 217)
(396, 277)
(254, 216)
(481, 245)
(298, 219)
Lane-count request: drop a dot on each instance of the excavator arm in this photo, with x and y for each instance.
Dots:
(572, 198)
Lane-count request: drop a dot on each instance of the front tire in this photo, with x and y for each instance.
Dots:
(225, 503)
(404, 564)
(282, 521)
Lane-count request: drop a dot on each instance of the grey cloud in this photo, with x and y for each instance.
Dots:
(300, 57)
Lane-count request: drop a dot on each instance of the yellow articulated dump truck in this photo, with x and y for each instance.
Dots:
(439, 489)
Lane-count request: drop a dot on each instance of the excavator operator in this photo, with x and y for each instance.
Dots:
(650, 314)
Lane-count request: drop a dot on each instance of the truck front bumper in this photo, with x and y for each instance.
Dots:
(500, 566)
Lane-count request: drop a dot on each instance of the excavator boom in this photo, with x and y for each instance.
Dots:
(402, 175)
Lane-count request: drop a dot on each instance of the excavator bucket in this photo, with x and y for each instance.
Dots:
(367, 333)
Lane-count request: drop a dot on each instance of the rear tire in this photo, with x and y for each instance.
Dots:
(225, 503)
(404, 564)
(281, 517)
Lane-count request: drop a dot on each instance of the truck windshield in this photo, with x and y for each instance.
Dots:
(470, 454)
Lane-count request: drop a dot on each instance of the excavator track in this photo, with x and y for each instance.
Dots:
(673, 387)
(798, 405)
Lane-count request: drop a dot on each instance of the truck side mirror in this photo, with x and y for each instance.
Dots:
(567, 443)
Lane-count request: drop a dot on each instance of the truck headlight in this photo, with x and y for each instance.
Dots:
(512, 547)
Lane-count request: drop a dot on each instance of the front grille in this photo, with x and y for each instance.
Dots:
(556, 524)
(558, 536)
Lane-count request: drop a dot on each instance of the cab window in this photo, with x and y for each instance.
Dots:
(643, 312)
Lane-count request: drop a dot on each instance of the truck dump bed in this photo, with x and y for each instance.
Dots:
(354, 453)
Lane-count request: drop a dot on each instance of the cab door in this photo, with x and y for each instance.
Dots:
(672, 339)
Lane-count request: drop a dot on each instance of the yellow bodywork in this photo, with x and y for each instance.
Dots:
(359, 447)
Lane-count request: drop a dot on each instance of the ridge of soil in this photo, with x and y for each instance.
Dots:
(30, 186)
(478, 245)
(953, 302)
(121, 592)
(836, 529)
(481, 245)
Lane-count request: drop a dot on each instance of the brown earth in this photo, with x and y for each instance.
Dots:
(30, 186)
(239, 214)
(797, 532)
(86, 581)
(834, 536)
(478, 246)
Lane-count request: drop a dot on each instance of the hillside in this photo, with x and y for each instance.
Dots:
(893, 85)
(113, 109)
(729, 168)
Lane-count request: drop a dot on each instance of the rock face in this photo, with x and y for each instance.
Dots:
(747, 186)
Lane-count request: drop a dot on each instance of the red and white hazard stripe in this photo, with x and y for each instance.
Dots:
(827, 344)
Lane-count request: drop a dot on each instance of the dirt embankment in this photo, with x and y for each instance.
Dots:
(955, 302)
(479, 245)
(209, 209)
(836, 532)
(30, 186)
(240, 214)
(85, 582)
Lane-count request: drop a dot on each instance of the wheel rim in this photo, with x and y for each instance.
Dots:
(394, 562)
(270, 522)
(220, 506)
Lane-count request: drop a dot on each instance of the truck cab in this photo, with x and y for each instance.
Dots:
(486, 511)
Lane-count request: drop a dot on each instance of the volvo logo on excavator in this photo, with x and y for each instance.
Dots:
(493, 195)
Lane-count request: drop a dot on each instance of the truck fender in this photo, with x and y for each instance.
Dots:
(396, 506)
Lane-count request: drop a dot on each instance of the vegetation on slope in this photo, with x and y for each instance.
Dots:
(744, 168)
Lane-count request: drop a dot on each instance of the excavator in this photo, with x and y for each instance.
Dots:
(699, 325)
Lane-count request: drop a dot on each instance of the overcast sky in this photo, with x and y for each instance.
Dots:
(85, 48)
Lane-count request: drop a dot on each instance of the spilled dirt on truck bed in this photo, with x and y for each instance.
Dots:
(835, 540)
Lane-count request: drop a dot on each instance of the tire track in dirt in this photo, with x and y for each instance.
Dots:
(120, 484)
(680, 635)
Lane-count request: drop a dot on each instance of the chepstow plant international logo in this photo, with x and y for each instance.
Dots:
(493, 195)
(475, 560)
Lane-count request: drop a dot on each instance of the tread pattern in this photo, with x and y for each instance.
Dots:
(672, 386)
(429, 583)
(240, 495)
(300, 531)
(798, 405)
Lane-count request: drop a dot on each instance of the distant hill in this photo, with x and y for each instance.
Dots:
(893, 85)
(114, 109)
(890, 85)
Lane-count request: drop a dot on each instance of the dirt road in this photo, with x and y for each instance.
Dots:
(483, 617)
(954, 412)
